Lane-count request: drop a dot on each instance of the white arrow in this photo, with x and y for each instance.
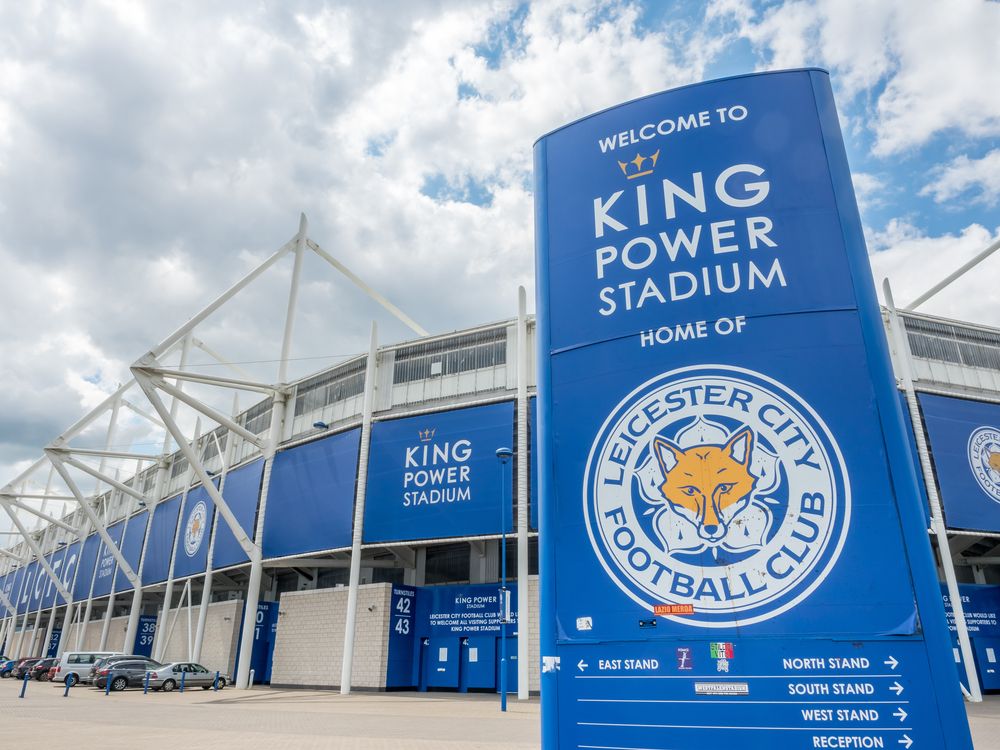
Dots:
(901, 714)
(896, 688)
(906, 742)
(582, 665)
(891, 661)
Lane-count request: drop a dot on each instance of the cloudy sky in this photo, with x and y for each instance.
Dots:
(152, 153)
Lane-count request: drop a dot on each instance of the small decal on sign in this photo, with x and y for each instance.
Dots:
(721, 688)
(673, 609)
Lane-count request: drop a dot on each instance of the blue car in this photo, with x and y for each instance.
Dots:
(6, 667)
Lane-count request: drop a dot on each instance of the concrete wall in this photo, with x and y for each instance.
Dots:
(535, 668)
(309, 646)
(218, 650)
(222, 630)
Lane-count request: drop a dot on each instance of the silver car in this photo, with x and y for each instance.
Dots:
(169, 676)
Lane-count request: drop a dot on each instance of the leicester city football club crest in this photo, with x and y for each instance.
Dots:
(984, 458)
(718, 492)
(194, 531)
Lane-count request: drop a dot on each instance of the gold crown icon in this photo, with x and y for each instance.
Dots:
(426, 435)
(634, 168)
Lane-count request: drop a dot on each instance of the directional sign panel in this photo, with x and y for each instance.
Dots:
(726, 554)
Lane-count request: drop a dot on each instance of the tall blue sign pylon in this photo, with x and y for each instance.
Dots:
(732, 545)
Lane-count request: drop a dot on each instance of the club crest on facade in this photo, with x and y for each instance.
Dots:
(718, 488)
(984, 459)
(194, 531)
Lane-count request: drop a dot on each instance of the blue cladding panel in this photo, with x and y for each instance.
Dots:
(62, 562)
(156, 564)
(911, 441)
(106, 561)
(131, 548)
(965, 447)
(28, 587)
(70, 563)
(18, 588)
(241, 493)
(85, 576)
(196, 534)
(310, 503)
(437, 475)
(722, 446)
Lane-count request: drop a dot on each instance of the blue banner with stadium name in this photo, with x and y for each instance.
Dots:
(437, 475)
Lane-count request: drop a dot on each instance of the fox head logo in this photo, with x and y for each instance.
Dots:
(994, 461)
(708, 484)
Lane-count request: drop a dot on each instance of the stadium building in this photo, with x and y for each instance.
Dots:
(358, 528)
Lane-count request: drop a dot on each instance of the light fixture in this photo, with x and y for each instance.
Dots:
(321, 425)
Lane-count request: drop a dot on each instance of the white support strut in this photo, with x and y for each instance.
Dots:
(368, 405)
(937, 517)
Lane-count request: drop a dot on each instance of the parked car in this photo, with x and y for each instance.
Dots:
(7, 667)
(108, 661)
(52, 671)
(168, 676)
(126, 673)
(40, 670)
(76, 665)
(23, 666)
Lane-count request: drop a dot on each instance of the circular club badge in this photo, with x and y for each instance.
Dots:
(716, 496)
(984, 458)
(194, 531)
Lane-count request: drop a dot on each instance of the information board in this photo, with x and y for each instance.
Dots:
(964, 438)
(726, 556)
(981, 605)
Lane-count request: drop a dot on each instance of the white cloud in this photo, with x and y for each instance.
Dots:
(151, 155)
(963, 175)
(868, 189)
(913, 262)
(925, 67)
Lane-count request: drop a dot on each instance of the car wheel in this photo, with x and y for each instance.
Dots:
(222, 682)
(73, 679)
(119, 683)
(169, 685)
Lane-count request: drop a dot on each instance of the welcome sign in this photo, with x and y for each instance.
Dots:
(724, 546)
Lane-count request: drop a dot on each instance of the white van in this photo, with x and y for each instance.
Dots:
(76, 665)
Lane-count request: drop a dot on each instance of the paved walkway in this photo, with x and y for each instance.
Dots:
(300, 719)
(265, 718)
